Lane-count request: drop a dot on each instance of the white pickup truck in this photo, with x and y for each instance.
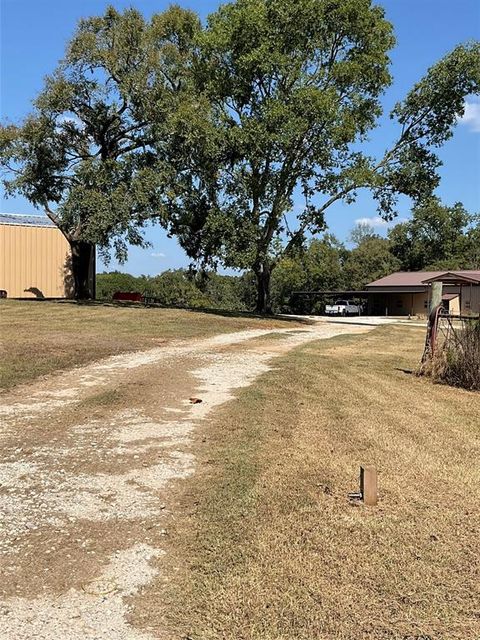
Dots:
(343, 308)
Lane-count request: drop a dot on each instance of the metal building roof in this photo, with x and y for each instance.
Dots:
(456, 277)
(25, 220)
(416, 278)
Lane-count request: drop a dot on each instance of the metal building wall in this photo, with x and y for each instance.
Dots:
(471, 299)
(34, 262)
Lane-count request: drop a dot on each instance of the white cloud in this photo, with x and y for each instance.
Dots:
(158, 255)
(471, 116)
(374, 221)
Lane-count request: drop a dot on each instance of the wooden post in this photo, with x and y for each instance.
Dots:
(368, 484)
(437, 290)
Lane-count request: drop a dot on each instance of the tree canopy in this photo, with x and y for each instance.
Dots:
(86, 154)
(370, 260)
(295, 86)
(437, 237)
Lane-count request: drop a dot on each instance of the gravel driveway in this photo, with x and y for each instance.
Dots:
(90, 460)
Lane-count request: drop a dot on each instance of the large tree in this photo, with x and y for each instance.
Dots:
(89, 155)
(294, 86)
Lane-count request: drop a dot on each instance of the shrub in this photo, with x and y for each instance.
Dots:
(110, 283)
(180, 288)
(458, 363)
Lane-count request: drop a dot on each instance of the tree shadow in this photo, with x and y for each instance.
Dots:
(409, 372)
(225, 313)
(36, 292)
(68, 281)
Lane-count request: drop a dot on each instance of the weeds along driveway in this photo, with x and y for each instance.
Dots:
(90, 459)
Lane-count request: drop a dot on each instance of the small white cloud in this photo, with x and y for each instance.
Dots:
(374, 221)
(471, 115)
(158, 255)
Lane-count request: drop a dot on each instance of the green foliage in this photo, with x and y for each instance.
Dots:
(325, 263)
(181, 288)
(293, 85)
(319, 266)
(86, 154)
(427, 118)
(437, 237)
(322, 264)
(289, 275)
(361, 231)
(369, 261)
(228, 292)
(177, 288)
(109, 283)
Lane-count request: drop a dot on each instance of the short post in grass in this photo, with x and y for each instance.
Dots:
(368, 484)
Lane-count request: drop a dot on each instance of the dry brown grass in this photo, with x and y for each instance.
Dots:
(269, 546)
(458, 363)
(40, 337)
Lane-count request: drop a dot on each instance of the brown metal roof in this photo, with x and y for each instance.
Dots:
(456, 277)
(419, 278)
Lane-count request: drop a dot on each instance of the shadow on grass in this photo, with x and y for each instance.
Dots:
(126, 304)
(227, 313)
(409, 372)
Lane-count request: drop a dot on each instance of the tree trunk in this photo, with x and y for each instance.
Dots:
(83, 269)
(264, 303)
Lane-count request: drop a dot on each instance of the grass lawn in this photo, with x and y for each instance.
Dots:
(40, 337)
(269, 547)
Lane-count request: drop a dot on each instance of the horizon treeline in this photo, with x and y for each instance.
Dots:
(436, 237)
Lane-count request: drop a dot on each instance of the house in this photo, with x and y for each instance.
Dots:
(408, 293)
(34, 258)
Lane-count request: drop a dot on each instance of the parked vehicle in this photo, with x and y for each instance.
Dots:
(343, 308)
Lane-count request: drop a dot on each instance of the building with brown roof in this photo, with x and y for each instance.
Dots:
(408, 293)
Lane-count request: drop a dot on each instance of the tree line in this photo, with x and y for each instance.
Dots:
(213, 129)
(436, 237)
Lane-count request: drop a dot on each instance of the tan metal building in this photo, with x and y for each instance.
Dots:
(34, 258)
(408, 293)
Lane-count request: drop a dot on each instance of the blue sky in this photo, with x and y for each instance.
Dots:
(34, 33)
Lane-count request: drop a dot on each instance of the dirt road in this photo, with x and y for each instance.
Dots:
(90, 457)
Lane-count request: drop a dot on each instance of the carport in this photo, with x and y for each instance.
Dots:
(300, 299)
